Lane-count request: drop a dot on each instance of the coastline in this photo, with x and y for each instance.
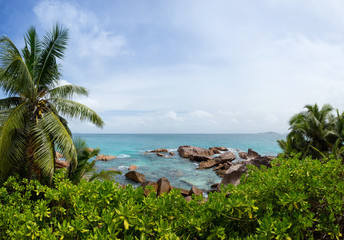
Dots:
(130, 149)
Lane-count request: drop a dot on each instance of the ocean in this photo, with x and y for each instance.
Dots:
(181, 172)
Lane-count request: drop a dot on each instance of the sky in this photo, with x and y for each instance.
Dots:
(193, 66)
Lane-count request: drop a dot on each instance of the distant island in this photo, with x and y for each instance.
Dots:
(271, 132)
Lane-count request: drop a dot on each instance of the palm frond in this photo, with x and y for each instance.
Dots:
(77, 110)
(15, 121)
(53, 46)
(43, 150)
(15, 78)
(8, 103)
(105, 175)
(67, 91)
(14, 160)
(52, 125)
(32, 50)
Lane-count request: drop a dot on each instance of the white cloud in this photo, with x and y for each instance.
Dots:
(173, 116)
(88, 36)
(248, 67)
(201, 114)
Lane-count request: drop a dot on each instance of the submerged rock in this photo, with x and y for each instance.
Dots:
(187, 151)
(164, 150)
(102, 157)
(135, 176)
(132, 167)
(160, 154)
(172, 153)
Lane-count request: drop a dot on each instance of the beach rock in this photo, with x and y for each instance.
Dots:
(196, 191)
(132, 167)
(59, 155)
(243, 155)
(160, 150)
(258, 161)
(188, 198)
(222, 168)
(233, 174)
(90, 149)
(149, 183)
(160, 154)
(183, 191)
(135, 176)
(226, 157)
(252, 154)
(215, 186)
(215, 151)
(187, 151)
(208, 164)
(103, 157)
(198, 158)
(164, 186)
(61, 164)
(172, 153)
(222, 149)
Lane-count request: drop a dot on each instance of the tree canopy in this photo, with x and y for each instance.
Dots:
(32, 118)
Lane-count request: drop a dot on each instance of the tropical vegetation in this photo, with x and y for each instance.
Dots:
(86, 169)
(292, 200)
(316, 132)
(32, 118)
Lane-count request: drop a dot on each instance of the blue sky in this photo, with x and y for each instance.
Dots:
(194, 66)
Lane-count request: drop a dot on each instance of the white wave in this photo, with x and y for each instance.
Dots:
(123, 168)
(123, 156)
(172, 150)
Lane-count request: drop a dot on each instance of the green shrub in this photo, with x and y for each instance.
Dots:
(292, 200)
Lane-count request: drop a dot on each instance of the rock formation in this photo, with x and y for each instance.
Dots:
(164, 186)
(103, 157)
(198, 158)
(160, 150)
(196, 191)
(187, 151)
(132, 167)
(61, 164)
(160, 154)
(233, 174)
(135, 176)
(59, 155)
(149, 183)
(243, 155)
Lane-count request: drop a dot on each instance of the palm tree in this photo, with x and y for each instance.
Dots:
(32, 123)
(311, 131)
(86, 169)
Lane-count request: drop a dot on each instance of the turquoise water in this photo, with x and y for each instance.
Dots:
(130, 149)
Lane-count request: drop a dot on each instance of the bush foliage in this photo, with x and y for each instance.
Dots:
(295, 199)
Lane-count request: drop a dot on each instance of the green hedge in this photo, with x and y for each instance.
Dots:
(295, 199)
